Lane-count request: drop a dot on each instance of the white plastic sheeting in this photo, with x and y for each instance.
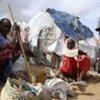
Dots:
(43, 27)
(57, 47)
(88, 46)
(19, 65)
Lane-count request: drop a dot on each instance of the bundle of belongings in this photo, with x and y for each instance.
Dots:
(22, 90)
(59, 89)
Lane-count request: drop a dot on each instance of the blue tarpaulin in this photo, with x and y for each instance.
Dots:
(65, 22)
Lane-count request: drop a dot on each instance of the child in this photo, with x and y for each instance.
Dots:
(70, 65)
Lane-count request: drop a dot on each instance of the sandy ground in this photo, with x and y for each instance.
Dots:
(90, 92)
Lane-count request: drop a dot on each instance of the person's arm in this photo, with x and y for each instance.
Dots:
(12, 40)
(15, 31)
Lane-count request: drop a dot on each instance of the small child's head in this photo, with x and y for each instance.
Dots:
(70, 43)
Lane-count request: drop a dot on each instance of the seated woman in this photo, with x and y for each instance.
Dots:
(75, 61)
(9, 49)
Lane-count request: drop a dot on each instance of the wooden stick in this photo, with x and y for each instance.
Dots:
(21, 46)
(78, 73)
(11, 14)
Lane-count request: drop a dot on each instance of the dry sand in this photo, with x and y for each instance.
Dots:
(92, 90)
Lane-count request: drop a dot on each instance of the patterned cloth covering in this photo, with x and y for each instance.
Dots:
(19, 90)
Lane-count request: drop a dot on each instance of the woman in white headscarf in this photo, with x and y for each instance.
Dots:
(74, 59)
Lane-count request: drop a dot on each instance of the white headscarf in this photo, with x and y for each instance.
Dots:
(70, 52)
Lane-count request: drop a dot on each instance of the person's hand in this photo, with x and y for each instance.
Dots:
(81, 57)
(15, 32)
(16, 28)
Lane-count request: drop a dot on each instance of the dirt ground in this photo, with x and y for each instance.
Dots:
(90, 92)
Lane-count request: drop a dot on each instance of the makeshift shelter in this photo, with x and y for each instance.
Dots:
(72, 27)
(46, 30)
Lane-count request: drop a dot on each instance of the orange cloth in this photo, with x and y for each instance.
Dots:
(10, 34)
(69, 65)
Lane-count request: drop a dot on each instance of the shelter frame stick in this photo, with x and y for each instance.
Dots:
(21, 46)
